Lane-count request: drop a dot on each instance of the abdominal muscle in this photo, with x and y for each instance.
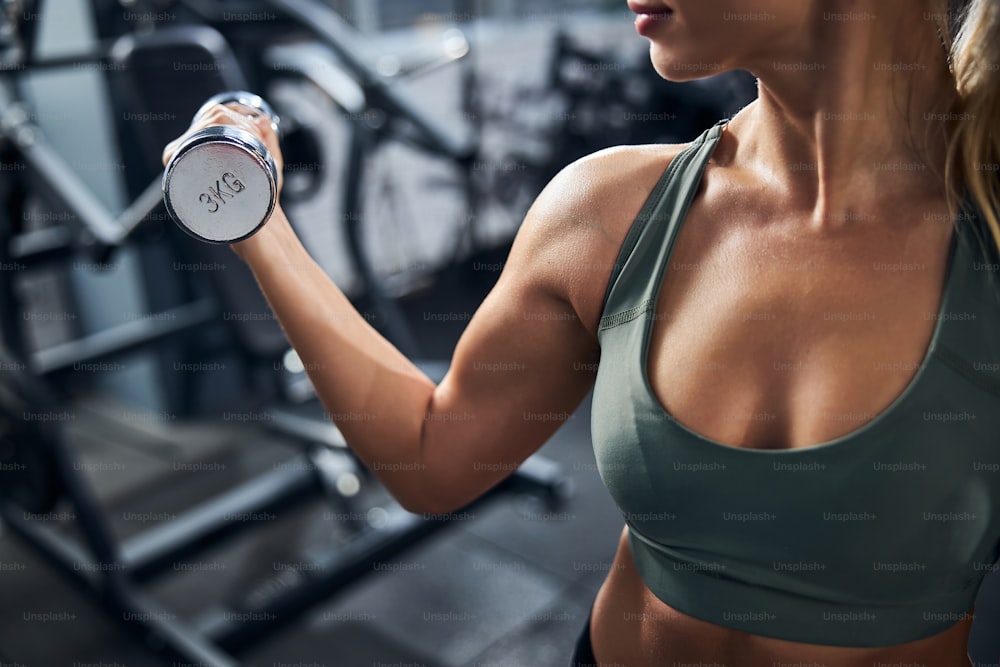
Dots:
(631, 627)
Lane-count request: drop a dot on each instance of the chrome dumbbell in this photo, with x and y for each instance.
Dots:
(221, 184)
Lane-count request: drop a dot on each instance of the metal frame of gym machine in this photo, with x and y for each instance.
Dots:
(112, 570)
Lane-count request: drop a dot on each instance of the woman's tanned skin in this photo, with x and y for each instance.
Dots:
(804, 176)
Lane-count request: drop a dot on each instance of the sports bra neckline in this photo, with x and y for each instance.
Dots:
(852, 437)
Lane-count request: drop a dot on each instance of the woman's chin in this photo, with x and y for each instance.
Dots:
(679, 71)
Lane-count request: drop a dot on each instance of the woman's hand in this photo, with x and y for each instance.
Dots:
(239, 116)
(246, 119)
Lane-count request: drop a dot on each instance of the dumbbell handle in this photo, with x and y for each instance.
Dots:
(249, 101)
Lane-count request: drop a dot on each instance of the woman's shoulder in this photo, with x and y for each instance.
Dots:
(573, 232)
(604, 191)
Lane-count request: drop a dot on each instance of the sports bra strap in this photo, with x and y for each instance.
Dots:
(646, 248)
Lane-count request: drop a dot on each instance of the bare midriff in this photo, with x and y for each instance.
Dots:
(631, 627)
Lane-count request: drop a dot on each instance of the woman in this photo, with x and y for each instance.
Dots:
(790, 325)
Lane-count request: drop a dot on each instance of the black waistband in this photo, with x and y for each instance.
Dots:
(583, 652)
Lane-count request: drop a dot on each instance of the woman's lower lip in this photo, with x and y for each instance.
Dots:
(646, 23)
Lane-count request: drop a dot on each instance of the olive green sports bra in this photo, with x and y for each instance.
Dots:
(879, 537)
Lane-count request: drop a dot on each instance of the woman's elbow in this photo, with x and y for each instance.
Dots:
(428, 507)
(427, 498)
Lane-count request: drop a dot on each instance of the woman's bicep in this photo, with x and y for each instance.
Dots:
(524, 363)
(521, 368)
(530, 353)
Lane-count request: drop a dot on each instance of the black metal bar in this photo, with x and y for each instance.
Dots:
(139, 210)
(59, 242)
(130, 604)
(122, 338)
(66, 554)
(157, 548)
(95, 55)
(94, 524)
(62, 185)
(13, 197)
(43, 245)
(177, 636)
(308, 429)
(275, 601)
(542, 477)
(28, 27)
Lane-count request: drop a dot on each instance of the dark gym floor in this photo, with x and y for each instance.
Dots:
(501, 588)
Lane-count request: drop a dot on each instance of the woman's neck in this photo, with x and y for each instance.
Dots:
(858, 115)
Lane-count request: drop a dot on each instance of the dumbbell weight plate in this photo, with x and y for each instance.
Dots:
(221, 186)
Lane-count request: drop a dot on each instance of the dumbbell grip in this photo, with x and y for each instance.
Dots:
(250, 101)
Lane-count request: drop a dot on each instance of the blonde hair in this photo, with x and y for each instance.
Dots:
(973, 162)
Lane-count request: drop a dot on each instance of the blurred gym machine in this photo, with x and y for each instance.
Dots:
(40, 471)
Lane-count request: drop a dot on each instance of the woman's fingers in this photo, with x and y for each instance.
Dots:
(237, 116)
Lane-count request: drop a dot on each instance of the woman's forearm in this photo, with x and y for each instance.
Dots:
(522, 365)
(373, 393)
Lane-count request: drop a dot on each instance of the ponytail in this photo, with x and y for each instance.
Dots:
(973, 163)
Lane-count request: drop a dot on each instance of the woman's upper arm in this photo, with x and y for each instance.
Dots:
(529, 354)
